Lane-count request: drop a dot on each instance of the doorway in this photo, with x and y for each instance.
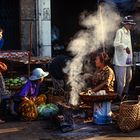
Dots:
(65, 15)
(9, 21)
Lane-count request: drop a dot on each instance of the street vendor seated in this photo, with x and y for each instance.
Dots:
(4, 93)
(103, 78)
(102, 83)
(29, 97)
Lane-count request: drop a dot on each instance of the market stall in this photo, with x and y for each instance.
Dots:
(19, 61)
(20, 67)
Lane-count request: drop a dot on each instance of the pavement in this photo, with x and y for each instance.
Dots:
(49, 130)
(46, 130)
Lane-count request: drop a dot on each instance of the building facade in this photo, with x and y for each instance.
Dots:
(35, 25)
(27, 23)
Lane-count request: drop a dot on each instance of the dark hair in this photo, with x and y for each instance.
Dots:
(104, 58)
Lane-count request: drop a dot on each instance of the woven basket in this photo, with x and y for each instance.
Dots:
(129, 115)
(96, 98)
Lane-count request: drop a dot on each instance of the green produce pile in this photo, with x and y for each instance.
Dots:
(47, 110)
(17, 82)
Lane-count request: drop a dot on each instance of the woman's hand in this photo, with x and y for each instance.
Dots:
(90, 92)
(3, 66)
(32, 98)
(127, 50)
(25, 98)
(82, 93)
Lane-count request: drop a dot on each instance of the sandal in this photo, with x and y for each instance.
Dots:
(2, 121)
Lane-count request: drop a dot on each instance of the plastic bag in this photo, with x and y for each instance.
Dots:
(102, 113)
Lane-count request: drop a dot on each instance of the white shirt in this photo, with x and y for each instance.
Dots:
(121, 42)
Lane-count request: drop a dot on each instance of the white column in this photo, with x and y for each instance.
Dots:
(44, 28)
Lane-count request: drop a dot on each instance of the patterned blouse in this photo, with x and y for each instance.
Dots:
(104, 75)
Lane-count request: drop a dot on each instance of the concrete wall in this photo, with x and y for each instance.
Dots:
(36, 12)
(44, 27)
(28, 17)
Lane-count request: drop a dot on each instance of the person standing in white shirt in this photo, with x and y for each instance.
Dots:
(123, 56)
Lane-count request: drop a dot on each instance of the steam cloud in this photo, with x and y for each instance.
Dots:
(99, 29)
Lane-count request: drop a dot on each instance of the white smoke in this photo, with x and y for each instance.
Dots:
(99, 27)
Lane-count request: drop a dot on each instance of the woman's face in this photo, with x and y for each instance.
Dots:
(1, 34)
(41, 80)
(98, 62)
